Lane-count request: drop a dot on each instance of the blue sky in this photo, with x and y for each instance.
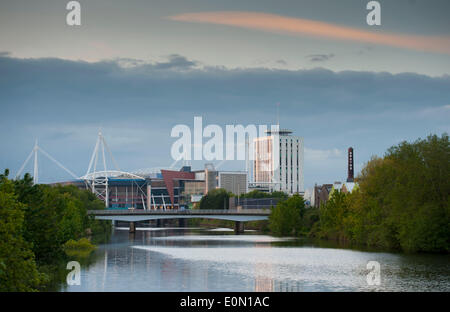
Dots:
(137, 70)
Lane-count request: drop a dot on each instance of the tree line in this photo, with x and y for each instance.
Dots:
(35, 223)
(402, 202)
(220, 198)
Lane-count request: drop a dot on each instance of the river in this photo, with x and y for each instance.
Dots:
(171, 259)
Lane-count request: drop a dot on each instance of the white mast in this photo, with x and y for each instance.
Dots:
(99, 179)
(34, 153)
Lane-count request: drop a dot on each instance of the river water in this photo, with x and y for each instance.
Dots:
(170, 259)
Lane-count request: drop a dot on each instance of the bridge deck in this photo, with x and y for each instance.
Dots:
(140, 214)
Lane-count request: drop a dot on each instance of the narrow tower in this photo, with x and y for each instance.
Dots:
(350, 177)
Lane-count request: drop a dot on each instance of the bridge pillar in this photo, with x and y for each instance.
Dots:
(182, 223)
(238, 227)
(132, 227)
(160, 223)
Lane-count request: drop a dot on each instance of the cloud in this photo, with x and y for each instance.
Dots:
(319, 155)
(63, 104)
(47, 86)
(298, 26)
(129, 62)
(319, 57)
(176, 61)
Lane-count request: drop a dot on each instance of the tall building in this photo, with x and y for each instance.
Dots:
(278, 161)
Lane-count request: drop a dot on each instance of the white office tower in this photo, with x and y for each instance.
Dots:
(278, 162)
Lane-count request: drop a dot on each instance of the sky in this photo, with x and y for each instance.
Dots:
(135, 69)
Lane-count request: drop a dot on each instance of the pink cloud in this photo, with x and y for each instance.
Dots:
(298, 26)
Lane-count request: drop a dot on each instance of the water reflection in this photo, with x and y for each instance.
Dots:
(195, 260)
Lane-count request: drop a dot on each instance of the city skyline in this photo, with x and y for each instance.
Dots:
(137, 70)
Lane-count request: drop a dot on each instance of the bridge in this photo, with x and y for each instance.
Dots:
(135, 215)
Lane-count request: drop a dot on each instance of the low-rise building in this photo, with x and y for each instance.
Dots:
(321, 194)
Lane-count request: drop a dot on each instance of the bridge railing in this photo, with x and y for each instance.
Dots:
(181, 212)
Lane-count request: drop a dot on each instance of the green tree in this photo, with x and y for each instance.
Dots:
(216, 199)
(71, 225)
(18, 271)
(334, 216)
(259, 194)
(286, 218)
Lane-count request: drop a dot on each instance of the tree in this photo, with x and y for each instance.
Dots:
(18, 271)
(71, 226)
(259, 194)
(216, 199)
(286, 218)
(332, 215)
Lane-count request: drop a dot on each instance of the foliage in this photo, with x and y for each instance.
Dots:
(81, 244)
(18, 270)
(55, 214)
(259, 194)
(80, 248)
(334, 214)
(35, 223)
(286, 218)
(216, 199)
(310, 220)
(402, 201)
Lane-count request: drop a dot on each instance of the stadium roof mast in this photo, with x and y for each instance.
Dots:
(98, 180)
(34, 153)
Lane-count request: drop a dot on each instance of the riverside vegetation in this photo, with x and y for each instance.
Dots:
(40, 227)
(402, 203)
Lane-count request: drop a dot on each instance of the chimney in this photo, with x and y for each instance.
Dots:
(350, 177)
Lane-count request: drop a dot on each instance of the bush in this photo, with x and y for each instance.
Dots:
(80, 249)
(81, 244)
(286, 218)
(216, 199)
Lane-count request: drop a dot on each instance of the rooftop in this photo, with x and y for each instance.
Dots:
(279, 132)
